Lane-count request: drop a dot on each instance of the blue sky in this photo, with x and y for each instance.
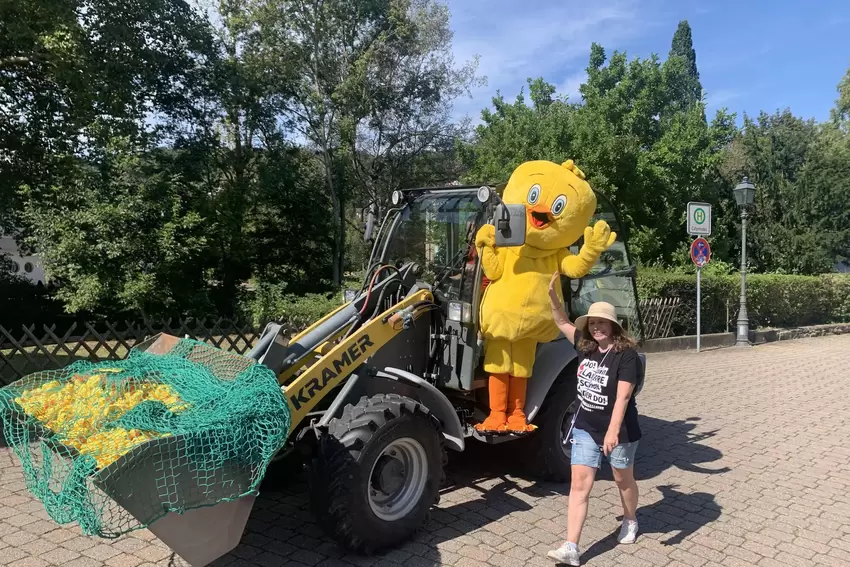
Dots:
(752, 55)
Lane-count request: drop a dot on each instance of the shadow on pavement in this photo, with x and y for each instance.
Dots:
(665, 444)
(668, 444)
(677, 514)
(671, 444)
(484, 485)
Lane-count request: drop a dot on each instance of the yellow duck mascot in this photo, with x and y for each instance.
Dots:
(515, 312)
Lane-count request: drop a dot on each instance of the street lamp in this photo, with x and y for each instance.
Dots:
(745, 193)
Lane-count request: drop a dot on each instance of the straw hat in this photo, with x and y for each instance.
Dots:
(601, 310)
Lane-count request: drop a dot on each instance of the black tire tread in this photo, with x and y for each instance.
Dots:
(338, 455)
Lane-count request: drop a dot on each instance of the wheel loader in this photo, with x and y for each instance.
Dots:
(385, 386)
(378, 392)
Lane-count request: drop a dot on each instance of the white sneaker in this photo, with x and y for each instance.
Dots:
(628, 532)
(567, 554)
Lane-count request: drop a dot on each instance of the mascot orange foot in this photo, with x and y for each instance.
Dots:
(507, 393)
(515, 311)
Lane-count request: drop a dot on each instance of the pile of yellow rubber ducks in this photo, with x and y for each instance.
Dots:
(77, 410)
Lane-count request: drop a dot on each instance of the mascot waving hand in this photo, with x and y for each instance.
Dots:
(515, 312)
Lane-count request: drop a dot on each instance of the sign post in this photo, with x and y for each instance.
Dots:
(700, 255)
(699, 306)
(699, 225)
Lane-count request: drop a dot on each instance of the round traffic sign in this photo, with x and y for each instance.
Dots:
(699, 215)
(700, 251)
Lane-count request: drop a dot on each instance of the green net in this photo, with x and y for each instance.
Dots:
(115, 446)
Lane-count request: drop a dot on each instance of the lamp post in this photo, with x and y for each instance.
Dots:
(745, 193)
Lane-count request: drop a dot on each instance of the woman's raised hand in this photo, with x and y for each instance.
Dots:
(553, 293)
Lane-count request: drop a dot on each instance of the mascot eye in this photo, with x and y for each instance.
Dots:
(534, 194)
(558, 205)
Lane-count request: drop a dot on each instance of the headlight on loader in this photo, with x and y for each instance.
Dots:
(460, 311)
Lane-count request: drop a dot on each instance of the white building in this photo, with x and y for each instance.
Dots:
(26, 266)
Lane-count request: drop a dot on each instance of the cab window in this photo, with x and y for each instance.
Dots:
(438, 233)
(611, 279)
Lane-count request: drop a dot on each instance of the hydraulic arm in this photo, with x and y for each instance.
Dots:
(326, 373)
(287, 357)
(328, 351)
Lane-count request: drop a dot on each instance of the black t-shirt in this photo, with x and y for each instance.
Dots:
(598, 375)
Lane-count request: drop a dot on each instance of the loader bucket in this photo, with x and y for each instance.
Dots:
(202, 533)
(193, 488)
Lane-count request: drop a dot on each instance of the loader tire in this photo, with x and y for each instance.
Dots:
(547, 455)
(377, 472)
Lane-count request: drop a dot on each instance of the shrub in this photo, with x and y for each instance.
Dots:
(270, 302)
(773, 300)
(840, 285)
(716, 291)
(24, 303)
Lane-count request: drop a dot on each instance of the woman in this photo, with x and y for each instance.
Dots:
(606, 421)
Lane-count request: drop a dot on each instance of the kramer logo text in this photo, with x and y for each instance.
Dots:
(343, 362)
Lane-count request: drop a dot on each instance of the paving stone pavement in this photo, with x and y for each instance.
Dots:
(745, 461)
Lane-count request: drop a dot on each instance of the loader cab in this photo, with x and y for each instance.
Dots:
(435, 230)
(432, 231)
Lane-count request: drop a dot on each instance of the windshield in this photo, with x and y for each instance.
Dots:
(611, 279)
(438, 233)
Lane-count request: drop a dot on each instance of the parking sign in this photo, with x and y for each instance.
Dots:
(700, 252)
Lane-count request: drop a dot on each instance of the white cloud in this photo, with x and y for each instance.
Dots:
(570, 86)
(720, 97)
(520, 39)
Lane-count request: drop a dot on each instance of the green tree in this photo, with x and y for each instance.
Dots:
(242, 190)
(642, 147)
(512, 133)
(841, 113)
(243, 154)
(374, 80)
(121, 233)
(640, 134)
(395, 128)
(801, 172)
(73, 75)
(683, 47)
(822, 202)
(771, 150)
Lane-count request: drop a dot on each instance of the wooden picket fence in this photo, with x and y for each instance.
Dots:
(658, 315)
(30, 350)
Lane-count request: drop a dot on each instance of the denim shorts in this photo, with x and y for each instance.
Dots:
(586, 452)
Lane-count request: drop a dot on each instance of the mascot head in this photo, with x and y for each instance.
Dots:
(558, 201)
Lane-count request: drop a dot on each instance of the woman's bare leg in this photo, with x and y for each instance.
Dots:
(625, 479)
(580, 487)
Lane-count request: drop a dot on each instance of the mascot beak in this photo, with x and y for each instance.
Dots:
(539, 217)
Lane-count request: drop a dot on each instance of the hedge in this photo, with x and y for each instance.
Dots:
(269, 301)
(773, 300)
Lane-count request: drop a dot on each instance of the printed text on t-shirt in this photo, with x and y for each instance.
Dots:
(592, 377)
